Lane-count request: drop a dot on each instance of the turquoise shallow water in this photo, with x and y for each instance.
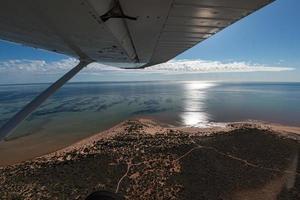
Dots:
(82, 109)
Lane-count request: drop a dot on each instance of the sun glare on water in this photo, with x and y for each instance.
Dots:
(194, 110)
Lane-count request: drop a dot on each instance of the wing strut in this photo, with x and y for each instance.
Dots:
(7, 128)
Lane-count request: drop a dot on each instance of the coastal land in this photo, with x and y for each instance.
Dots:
(144, 159)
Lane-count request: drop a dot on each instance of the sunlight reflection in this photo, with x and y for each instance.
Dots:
(194, 110)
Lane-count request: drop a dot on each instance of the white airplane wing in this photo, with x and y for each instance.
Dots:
(145, 32)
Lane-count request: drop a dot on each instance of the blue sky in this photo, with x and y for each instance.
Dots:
(269, 37)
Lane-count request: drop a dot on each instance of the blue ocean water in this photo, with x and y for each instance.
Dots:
(82, 109)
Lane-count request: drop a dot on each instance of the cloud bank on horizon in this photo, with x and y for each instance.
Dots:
(207, 66)
(173, 66)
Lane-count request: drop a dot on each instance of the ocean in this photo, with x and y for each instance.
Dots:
(79, 110)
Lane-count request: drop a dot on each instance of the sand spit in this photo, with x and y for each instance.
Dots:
(140, 159)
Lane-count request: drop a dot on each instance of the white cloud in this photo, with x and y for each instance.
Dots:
(54, 67)
(206, 66)
(173, 66)
(36, 66)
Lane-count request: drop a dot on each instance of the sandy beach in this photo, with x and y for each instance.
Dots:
(143, 159)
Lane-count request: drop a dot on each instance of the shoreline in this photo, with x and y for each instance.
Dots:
(291, 132)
